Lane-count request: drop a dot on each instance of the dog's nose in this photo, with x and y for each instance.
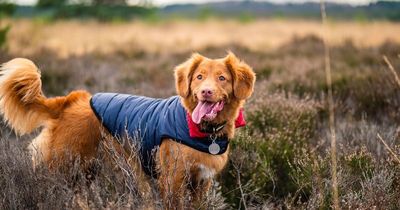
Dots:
(206, 93)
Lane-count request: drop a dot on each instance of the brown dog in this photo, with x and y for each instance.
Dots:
(212, 91)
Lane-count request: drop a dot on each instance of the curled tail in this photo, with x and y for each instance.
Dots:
(22, 103)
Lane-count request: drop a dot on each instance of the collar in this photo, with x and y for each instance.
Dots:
(196, 132)
(212, 128)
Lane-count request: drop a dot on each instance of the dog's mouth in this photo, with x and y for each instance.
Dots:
(206, 110)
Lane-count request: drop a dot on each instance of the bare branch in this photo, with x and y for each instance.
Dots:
(392, 70)
(388, 148)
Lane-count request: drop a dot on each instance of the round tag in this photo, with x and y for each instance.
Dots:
(214, 148)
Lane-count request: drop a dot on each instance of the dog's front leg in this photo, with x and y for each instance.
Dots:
(200, 184)
(172, 189)
(173, 174)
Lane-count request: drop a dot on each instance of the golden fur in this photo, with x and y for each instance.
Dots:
(71, 128)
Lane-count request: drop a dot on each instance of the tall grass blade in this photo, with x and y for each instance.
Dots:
(392, 69)
(388, 148)
(335, 193)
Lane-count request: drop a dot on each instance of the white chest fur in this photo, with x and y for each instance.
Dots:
(206, 172)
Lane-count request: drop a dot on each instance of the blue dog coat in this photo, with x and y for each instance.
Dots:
(148, 121)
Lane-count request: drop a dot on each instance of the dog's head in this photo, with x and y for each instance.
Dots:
(214, 90)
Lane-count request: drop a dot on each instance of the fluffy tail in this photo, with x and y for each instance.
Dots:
(22, 103)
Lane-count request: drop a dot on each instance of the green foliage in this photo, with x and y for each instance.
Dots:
(359, 162)
(6, 9)
(3, 35)
(50, 3)
(361, 17)
(205, 13)
(109, 2)
(246, 17)
(104, 12)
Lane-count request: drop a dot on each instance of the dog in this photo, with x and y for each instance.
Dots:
(189, 133)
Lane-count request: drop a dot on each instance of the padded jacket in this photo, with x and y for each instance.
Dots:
(147, 121)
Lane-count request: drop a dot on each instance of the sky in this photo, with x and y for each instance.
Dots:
(167, 2)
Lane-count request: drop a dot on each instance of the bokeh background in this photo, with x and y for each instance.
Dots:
(281, 160)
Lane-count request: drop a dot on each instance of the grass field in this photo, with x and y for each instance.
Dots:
(281, 160)
(78, 38)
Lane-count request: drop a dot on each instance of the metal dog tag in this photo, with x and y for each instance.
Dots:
(214, 148)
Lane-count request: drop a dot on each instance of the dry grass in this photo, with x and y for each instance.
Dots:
(78, 38)
(106, 186)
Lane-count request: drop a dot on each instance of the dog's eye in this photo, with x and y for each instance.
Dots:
(221, 78)
(199, 77)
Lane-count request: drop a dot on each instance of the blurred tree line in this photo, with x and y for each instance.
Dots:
(244, 11)
(103, 10)
(58, 3)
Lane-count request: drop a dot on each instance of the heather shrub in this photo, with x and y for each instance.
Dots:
(361, 83)
(374, 191)
(287, 165)
(280, 160)
(359, 163)
(367, 176)
(273, 115)
(266, 156)
(103, 186)
(24, 188)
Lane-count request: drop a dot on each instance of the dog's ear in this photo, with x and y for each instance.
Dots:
(184, 73)
(243, 76)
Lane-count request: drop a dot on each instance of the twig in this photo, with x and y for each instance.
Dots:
(242, 194)
(331, 109)
(388, 148)
(241, 190)
(392, 70)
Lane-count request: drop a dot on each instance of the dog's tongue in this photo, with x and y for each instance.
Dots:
(206, 110)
